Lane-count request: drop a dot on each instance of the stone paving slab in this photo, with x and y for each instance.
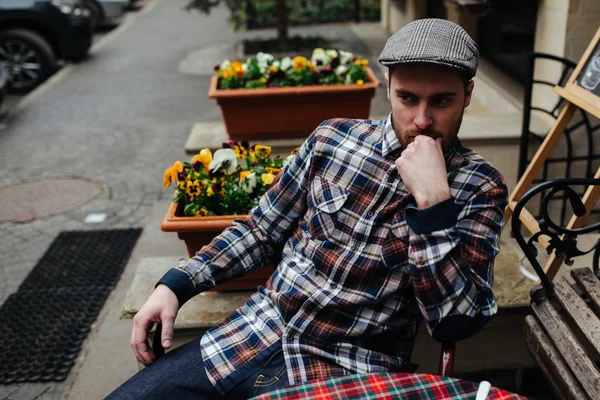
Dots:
(203, 311)
(213, 134)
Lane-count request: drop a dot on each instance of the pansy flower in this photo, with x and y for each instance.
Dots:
(224, 161)
(262, 152)
(248, 182)
(268, 178)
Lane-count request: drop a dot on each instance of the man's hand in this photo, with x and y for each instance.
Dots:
(423, 170)
(162, 306)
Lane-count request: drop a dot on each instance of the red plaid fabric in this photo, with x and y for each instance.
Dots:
(386, 386)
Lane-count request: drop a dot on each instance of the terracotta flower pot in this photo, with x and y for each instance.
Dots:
(199, 231)
(289, 112)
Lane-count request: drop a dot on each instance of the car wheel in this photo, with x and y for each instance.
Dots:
(27, 57)
(96, 14)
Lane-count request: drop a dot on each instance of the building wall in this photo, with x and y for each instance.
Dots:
(582, 22)
(397, 13)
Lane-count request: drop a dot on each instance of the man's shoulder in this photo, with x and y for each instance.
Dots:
(477, 171)
(339, 129)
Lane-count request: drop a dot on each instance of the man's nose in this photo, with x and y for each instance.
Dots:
(423, 118)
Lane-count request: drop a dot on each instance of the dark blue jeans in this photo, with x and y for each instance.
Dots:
(179, 374)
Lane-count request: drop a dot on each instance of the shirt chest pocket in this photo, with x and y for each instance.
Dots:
(326, 217)
(394, 251)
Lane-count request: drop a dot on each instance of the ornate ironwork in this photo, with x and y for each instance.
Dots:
(562, 240)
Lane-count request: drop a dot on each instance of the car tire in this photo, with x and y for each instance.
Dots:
(43, 56)
(96, 14)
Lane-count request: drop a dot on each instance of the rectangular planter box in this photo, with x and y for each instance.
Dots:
(199, 231)
(290, 112)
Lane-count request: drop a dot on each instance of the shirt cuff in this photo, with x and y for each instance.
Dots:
(442, 215)
(179, 282)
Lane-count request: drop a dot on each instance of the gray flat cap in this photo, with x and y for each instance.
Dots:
(432, 40)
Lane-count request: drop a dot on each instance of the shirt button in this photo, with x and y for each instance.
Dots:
(370, 213)
(319, 199)
(334, 285)
(354, 249)
(421, 262)
(391, 178)
(290, 337)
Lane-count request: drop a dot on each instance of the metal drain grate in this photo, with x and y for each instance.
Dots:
(43, 325)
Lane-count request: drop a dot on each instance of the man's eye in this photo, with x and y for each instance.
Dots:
(406, 97)
(442, 101)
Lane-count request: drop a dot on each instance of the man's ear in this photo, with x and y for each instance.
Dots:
(470, 87)
(387, 83)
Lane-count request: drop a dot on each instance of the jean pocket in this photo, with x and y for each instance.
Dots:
(272, 376)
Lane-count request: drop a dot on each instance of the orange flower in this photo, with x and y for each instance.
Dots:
(299, 63)
(175, 170)
(167, 178)
(271, 170)
(228, 73)
(238, 69)
(244, 174)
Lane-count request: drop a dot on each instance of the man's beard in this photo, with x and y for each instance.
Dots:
(406, 136)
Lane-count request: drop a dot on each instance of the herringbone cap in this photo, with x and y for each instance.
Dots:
(432, 40)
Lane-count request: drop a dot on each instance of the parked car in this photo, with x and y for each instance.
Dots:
(3, 84)
(107, 12)
(34, 34)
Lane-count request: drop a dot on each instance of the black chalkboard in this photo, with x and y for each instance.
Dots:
(589, 78)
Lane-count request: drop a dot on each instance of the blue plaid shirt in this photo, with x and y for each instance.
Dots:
(360, 263)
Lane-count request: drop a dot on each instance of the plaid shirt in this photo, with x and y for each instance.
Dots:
(360, 263)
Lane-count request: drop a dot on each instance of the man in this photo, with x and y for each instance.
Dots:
(380, 224)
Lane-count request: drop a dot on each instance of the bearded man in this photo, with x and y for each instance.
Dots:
(379, 224)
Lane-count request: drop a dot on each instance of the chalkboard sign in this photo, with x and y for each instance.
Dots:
(583, 87)
(589, 79)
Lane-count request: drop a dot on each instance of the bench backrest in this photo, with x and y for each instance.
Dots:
(563, 334)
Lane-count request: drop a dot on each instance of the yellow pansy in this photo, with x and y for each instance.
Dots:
(228, 73)
(263, 79)
(175, 170)
(273, 69)
(203, 212)
(262, 151)
(312, 67)
(240, 151)
(167, 178)
(273, 170)
(299, 63)
(205, 157)
(193, 188)
(364, 62)
(360, 82)
(209, 191)
(268, 178)
(252, 155)
(182, 185)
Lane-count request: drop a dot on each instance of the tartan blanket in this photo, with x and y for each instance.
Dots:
(386, 386)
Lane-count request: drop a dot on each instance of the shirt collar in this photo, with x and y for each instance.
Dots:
(390, 142)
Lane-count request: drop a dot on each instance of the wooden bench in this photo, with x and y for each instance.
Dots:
(563, 334)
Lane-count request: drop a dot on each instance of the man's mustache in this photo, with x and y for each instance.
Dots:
(413, 133)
